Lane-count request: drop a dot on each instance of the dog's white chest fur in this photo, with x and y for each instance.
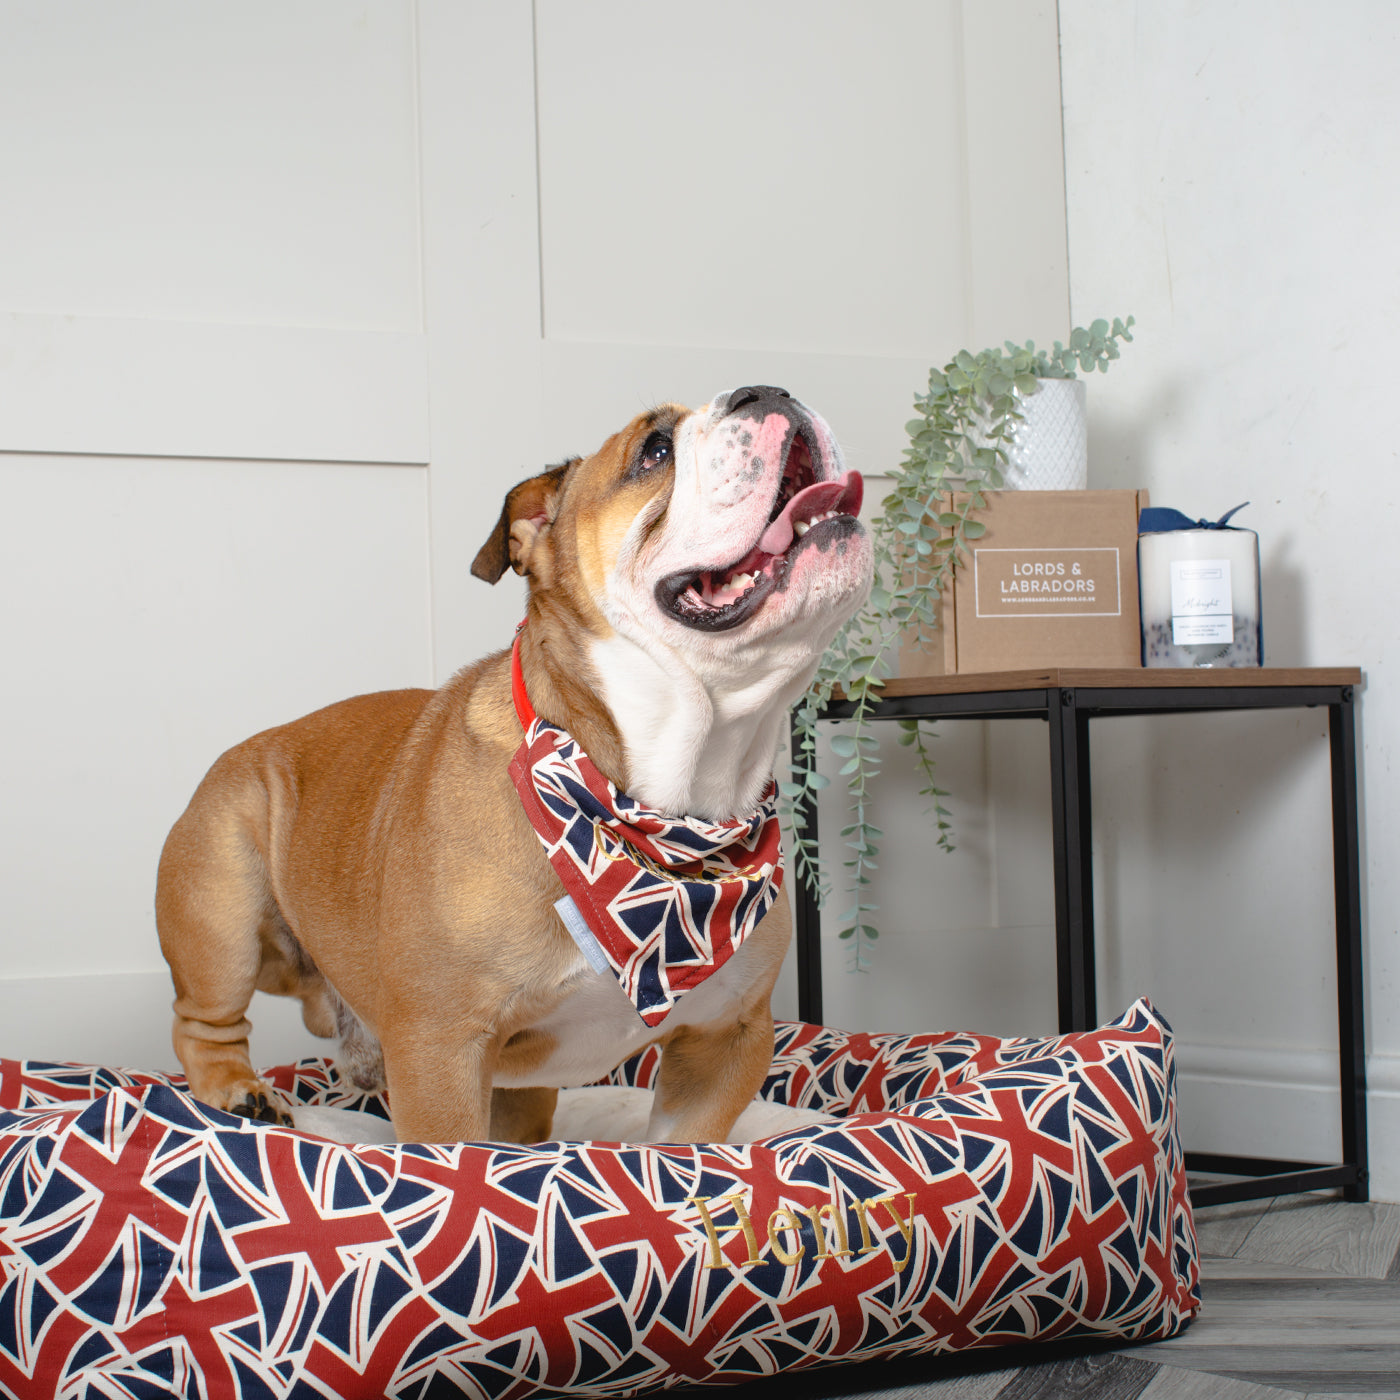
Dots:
(596, 1026)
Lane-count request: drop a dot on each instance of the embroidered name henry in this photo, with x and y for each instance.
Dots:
(788, 1220)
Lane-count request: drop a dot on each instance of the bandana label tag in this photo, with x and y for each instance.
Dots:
(579, 931)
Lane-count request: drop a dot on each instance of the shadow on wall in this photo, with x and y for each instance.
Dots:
(1282, 585)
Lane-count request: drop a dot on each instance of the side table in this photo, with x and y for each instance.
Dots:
(1068, 699)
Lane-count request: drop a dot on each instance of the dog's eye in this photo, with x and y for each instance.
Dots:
(656, 451)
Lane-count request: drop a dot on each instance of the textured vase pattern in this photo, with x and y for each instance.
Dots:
(1049, 450)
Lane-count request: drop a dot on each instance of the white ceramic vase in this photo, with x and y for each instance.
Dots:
(1049, 448)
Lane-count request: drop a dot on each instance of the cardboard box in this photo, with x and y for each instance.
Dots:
(1052, 582)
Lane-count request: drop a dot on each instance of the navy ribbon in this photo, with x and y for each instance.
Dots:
(1155, 519)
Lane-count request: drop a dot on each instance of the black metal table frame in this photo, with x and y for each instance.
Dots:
(1068, 710)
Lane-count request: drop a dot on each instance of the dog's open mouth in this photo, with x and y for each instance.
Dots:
(807, 513)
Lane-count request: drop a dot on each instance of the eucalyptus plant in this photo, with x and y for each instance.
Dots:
(958, 440)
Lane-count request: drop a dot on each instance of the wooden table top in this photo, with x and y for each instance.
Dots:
(1133, 677)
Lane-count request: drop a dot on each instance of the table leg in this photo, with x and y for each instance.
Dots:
(1072, 831)
(807, 918)
(1350, 990)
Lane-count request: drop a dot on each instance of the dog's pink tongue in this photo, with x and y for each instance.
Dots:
(844, 494)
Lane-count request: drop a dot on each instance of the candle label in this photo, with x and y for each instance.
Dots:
(1202, 608)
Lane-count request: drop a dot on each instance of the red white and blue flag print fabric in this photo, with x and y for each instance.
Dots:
(976, 1193)
(668, 899)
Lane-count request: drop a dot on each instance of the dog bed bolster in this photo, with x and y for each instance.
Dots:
(975, 1192)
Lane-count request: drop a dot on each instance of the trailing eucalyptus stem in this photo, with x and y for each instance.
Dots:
(959, 440)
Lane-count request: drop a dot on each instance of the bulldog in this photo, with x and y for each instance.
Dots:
(511, 884)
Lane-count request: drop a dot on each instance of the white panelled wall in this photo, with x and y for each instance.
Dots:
(274, 263)
(291, 295)
(213, 447)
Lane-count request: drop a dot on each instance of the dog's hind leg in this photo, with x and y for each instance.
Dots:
(522, 1115)
(218, 925)
(361, 1058)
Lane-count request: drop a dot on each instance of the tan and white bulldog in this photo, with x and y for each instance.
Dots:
(374, 859)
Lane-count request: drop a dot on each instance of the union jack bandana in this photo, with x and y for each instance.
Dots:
(660, 902)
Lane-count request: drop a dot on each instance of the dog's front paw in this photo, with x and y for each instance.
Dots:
(261, 1108)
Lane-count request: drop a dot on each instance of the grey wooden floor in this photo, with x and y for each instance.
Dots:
(1300, 1298)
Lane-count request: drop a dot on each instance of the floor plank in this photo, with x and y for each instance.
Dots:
(1348, 1394)
(1231, 1270)
(1176, 1383)
(1361, 1371)
(1257, 1311)
(1360, 1241)
(1221, 1230)
(1105, 1377)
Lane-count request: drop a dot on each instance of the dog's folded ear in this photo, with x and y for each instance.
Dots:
(528, 510)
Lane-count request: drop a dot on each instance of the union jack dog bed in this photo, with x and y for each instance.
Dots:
(975, 1192)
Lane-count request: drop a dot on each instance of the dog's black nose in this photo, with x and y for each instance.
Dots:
(751, 393)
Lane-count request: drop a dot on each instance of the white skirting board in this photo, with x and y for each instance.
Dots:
(1245, 1099)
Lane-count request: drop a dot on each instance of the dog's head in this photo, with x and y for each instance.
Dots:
(720, 545)
(737, 518)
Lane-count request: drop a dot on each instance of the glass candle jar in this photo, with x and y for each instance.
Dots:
(1199, 592)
